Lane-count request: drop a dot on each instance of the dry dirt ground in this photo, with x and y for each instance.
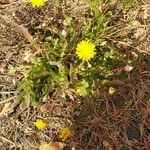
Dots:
(118, 122)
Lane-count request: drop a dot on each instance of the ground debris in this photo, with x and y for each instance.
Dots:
(52, 146)
(9, 108)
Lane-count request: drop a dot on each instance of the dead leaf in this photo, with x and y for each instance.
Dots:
(107, 145)
(8, 108)
(44, 146)
(46, 108)
(52, 146)
(5, 109)
(4, 1)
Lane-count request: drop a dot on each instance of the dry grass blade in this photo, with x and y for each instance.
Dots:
(7, 100)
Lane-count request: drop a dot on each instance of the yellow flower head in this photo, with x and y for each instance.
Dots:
(37, 3)
(85, 50)
(40, 124)
(64, 133)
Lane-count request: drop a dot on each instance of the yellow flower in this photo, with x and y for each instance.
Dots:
(37, 3)
(85, 50)
(40, 124)
(64, 133)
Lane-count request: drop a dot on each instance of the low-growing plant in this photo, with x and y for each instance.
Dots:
(74, 62)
